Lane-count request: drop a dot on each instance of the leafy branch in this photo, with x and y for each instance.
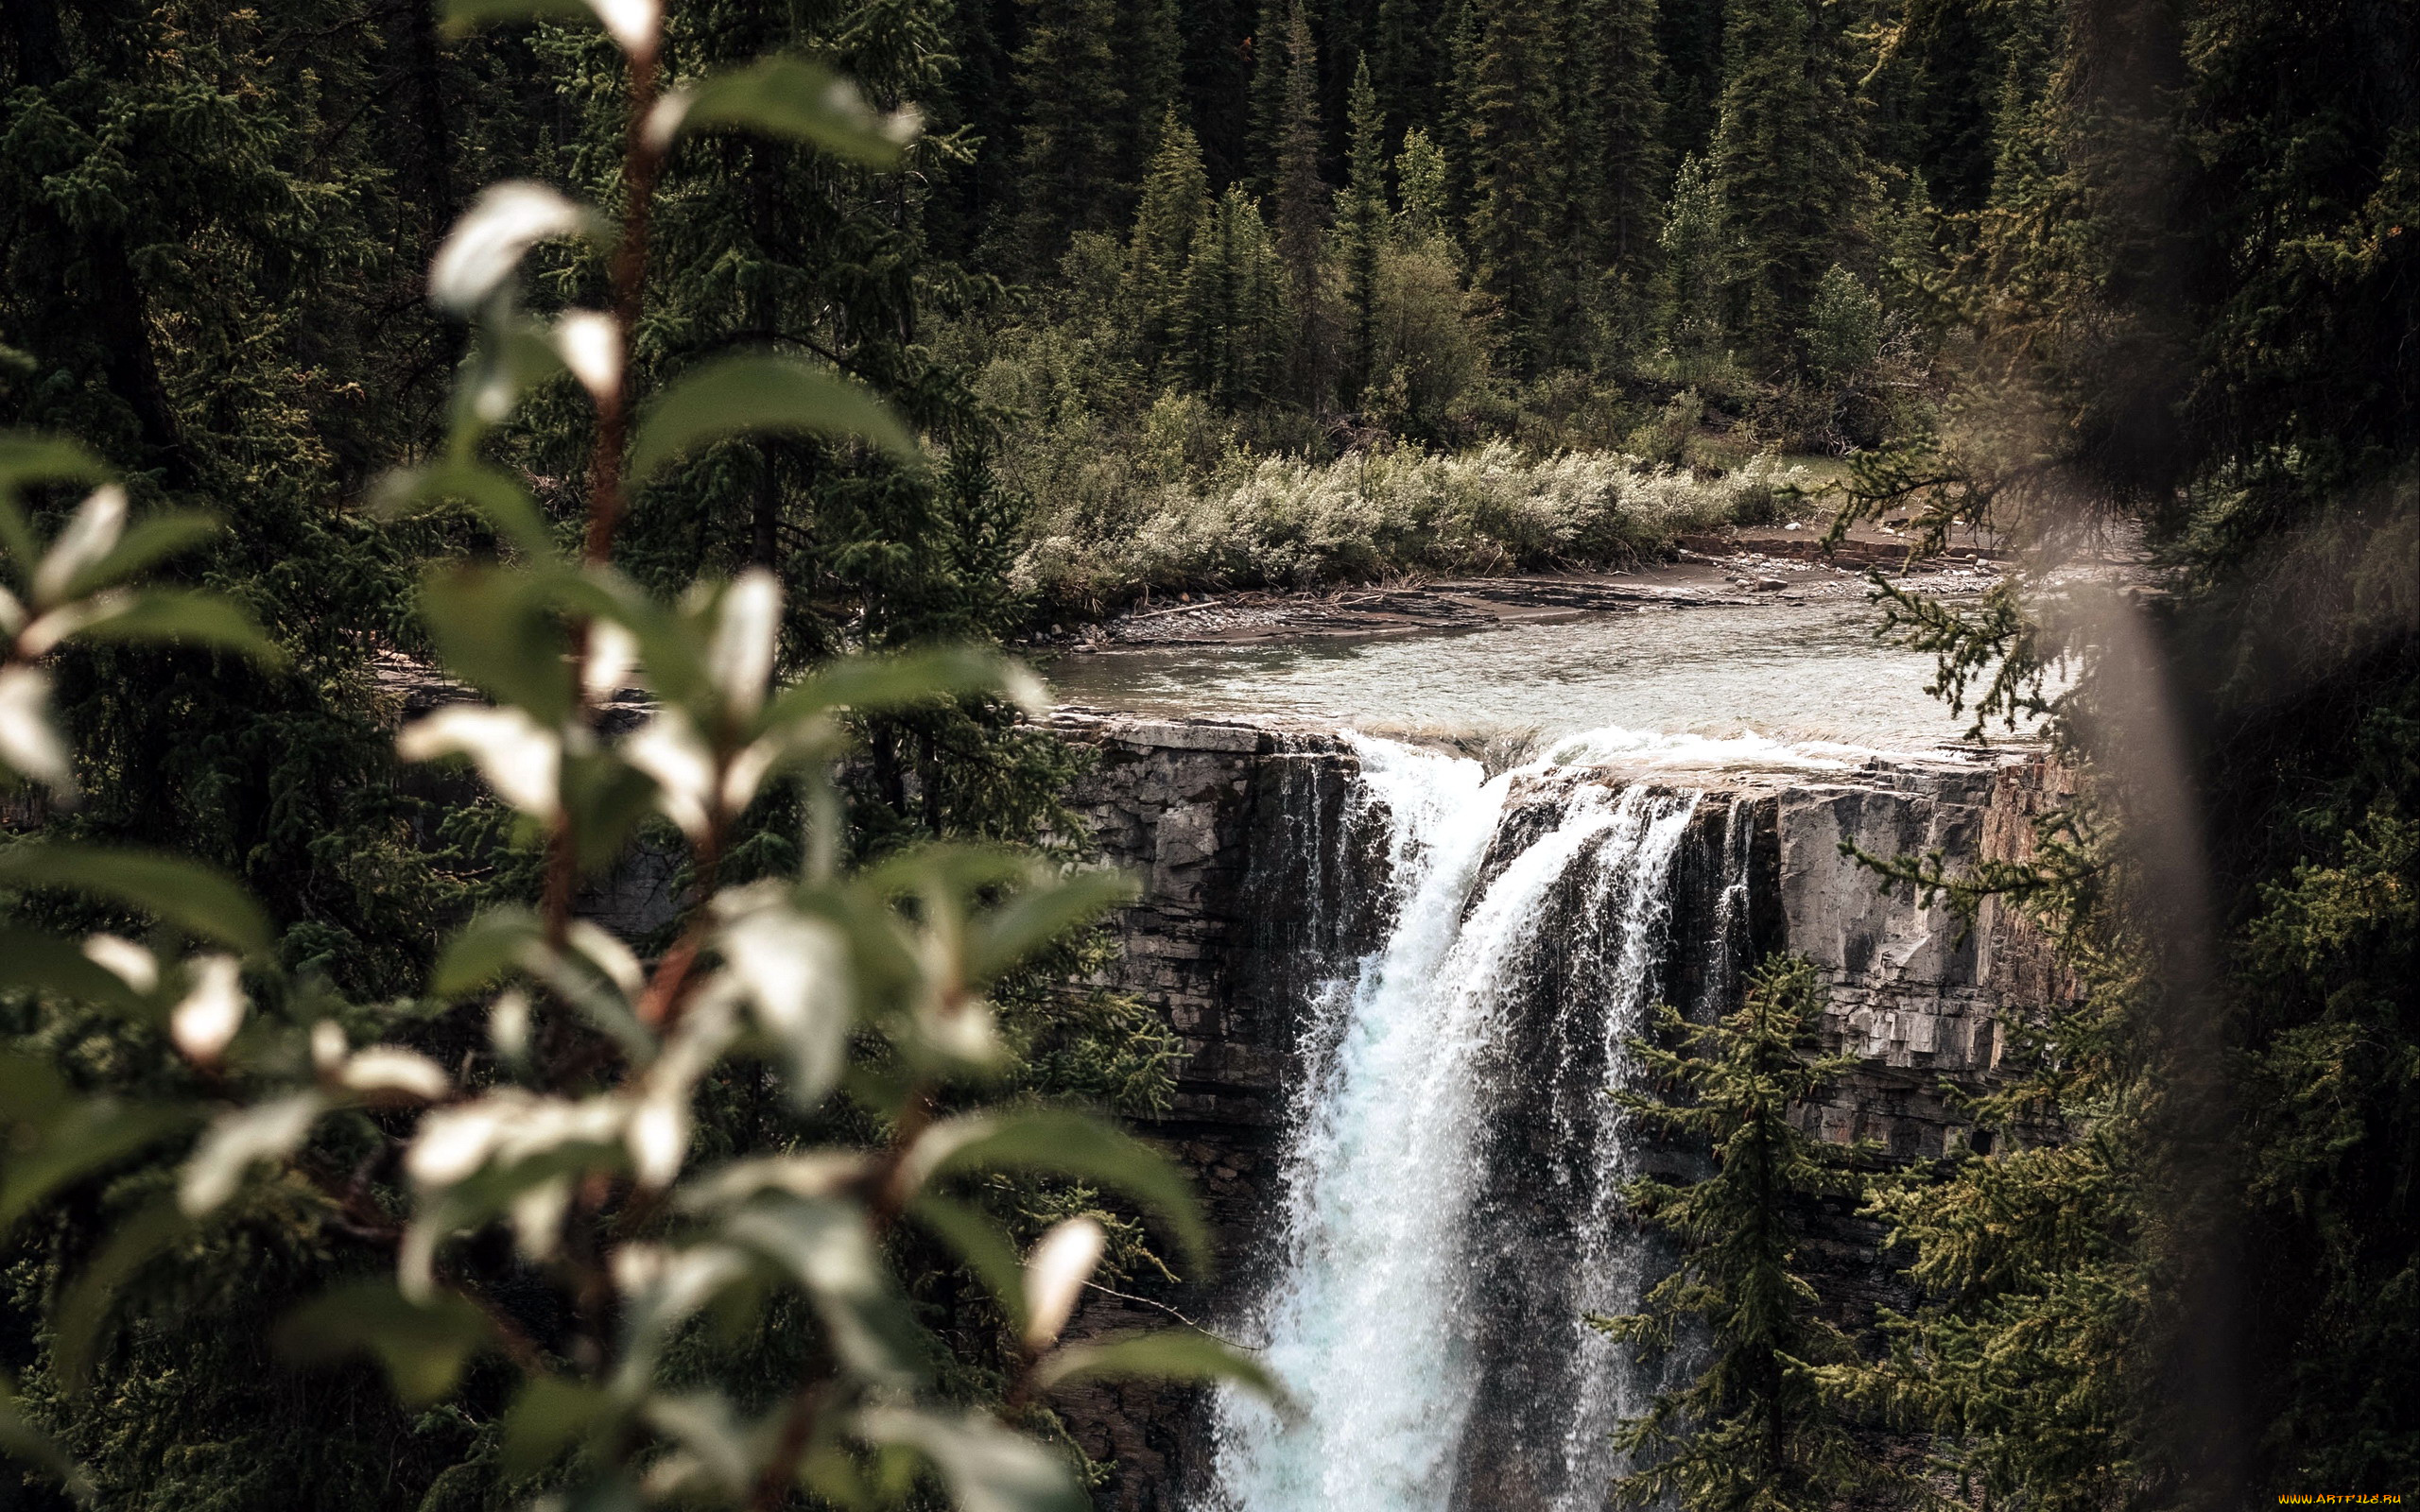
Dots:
(574, 1132)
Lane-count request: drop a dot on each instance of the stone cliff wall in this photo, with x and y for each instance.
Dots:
(1200, 812)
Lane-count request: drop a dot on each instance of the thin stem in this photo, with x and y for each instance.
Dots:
(885, 1201)
(798, 1431)
(667, 989)
(562, 877)
(641, 159)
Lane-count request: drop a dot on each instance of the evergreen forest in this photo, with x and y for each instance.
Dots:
(841, 352)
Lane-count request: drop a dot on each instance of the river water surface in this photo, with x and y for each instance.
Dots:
(1792, 675)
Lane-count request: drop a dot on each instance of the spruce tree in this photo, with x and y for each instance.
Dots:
(1689, 37)
(1787, 168)
(1070, 152)
(1513, 108)
(1422, 176)
(1299, 216)
(1176, 203)
(1759, 1429)
(1150, 64)
(1271, 56)
(1408, 68)
(1233, 331)
(1692, 244)
(1362, 220)
(1300, 198)
(1619, 169)
(1217, 44)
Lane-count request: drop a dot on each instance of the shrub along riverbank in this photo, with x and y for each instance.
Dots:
(1109, 533)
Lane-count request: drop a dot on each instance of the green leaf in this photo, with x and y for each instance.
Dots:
(754, 393)
(978, 1242)
(1086, 1148)
(703, 1423)
(606, 799)
(87, 1137)
(495, 495)
(585, 990)
(146, 542)
(548, 1417)
(671, 646)
(185, 893)
(241, 1138)
(85, 1308)
(828, 1249)
(684, 1282)
(987, 1468)
(188, 618)
(423, 1346)
(870, 684)
(31, 1094)
(20, 1439)
(998, 938)
(486, 947)
(499, 628)
(31, 961)
(945, 873)
(1171, 1354)
(806, 102)
(26, 458)
(508, 361)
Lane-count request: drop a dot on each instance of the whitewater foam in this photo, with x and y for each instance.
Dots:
(1376, 1319)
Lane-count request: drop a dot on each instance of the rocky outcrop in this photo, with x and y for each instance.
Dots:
(1216, 821)
(1917, 994)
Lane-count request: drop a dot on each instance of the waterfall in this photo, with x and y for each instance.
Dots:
(1450, 1208)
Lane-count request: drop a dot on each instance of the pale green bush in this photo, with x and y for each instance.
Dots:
(1284, 522)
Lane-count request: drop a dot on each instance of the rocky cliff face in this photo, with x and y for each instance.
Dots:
(1250, 874)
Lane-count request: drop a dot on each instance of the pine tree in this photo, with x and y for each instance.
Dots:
(1692, 244)
(1520, 203)
(1362, 220)
(1408, 68)
(1152, 72)
(1788, 168)
(1235, 323)
(1618, 170)
(1421, 176)
(1911, 260)
(1176, 203)
(1300, 196)
(1271, 58)
(1070, 153)
(1758, 1429)
(1217, 48)
(1689, 37)
(1299, 216)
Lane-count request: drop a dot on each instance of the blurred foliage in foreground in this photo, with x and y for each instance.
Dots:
(620, 1233)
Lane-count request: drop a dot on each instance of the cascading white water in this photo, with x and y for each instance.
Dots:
(1374, 1317)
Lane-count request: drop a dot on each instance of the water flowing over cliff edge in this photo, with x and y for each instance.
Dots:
(1402, 986)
